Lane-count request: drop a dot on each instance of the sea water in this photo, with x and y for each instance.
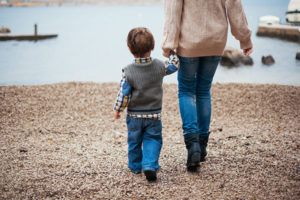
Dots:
(91, 44)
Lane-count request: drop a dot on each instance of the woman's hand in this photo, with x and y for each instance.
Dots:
(248, 51)
(168, 52)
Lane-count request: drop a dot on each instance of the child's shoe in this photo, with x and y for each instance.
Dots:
(150, 175)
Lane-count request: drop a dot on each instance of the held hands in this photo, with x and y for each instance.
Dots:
(168, 52)
(172, 52)
(116, 114)
(248, 51)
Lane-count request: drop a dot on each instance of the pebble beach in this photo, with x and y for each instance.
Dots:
(60, 141)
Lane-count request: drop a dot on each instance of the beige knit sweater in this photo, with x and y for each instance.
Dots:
(199, 27)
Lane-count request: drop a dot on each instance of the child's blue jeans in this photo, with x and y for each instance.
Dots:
(144, 143)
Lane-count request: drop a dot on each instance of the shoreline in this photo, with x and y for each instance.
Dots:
(61, 141)
(115, 82)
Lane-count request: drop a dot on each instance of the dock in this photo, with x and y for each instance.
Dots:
(34, 37)
(282, 31)
(26, 37)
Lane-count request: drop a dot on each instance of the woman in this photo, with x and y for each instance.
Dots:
(197, 30)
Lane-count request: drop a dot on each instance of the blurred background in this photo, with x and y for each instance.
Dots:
(91, 42)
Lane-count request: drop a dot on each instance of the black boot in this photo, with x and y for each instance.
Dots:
(203, 140)
(192, 144)
(150, 175)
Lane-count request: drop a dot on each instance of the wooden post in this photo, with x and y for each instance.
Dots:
(35, 30)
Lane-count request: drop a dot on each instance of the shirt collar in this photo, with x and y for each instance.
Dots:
(143, 60)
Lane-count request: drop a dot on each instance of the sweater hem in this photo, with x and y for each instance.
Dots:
(217, 51)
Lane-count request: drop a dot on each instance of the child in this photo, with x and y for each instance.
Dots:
(141, 92)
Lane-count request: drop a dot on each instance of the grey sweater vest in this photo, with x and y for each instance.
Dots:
(146, 80)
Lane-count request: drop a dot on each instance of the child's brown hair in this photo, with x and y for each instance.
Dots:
(140, 41)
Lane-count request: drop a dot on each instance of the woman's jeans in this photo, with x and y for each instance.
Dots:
(144, 143)
(195, 77)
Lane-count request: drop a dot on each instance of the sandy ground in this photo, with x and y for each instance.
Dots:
(60, 141)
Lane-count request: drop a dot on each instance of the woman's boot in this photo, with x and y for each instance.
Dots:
(192, 144)
(203, 140)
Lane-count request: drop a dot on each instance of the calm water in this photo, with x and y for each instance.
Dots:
(92, 45)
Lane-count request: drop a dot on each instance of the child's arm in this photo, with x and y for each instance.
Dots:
(172, 65)
(123, 98)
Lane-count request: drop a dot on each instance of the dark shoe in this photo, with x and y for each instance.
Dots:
(203, 140)
(150, 175)
(192, 144)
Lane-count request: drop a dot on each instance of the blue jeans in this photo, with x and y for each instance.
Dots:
(144, 143)
(195, 77)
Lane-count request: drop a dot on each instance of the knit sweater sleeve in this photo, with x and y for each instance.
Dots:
(238, 23)
(173, 11)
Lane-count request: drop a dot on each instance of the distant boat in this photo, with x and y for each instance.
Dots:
(293, 12)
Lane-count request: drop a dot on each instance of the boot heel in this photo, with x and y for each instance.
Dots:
(203, 140)
(194, 163)
(195, 159)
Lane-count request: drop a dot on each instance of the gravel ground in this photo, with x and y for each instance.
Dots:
(61, 141)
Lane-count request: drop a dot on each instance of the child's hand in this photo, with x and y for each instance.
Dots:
(116, 114)
(172, 65)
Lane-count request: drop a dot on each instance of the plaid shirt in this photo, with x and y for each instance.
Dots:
(123, 98)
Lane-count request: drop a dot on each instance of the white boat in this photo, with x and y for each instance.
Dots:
(269, 20)
(293, 12)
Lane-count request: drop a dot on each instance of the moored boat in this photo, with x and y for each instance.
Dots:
(293, 12)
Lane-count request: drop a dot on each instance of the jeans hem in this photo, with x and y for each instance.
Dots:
(135, 171)
(150, 169)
